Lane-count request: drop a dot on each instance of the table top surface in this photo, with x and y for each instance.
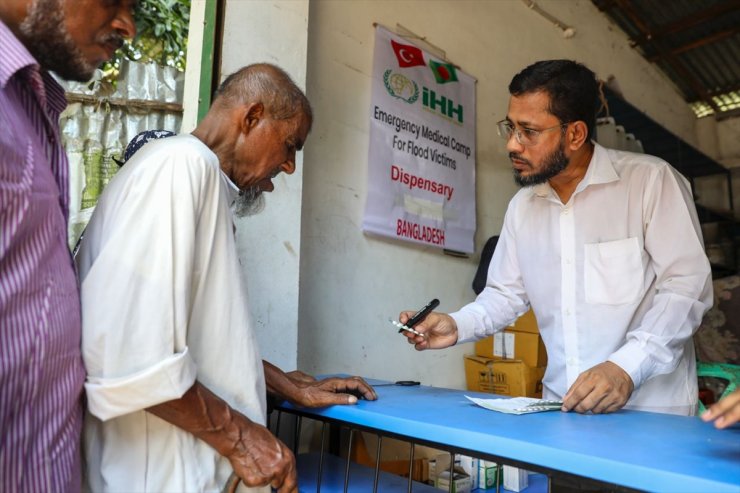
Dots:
(648, 451)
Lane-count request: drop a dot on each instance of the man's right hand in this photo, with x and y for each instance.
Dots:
(726, 412)
(439, 329)
(259, 458)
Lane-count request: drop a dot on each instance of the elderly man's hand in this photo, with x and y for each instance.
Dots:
(298, 376)
(605, 388)
(259, 458)
(439, 329)
(256, 455)
(330, 391)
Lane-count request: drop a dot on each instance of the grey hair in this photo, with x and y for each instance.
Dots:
(269, 85)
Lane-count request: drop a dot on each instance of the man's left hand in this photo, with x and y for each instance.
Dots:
(330, 391)
(604, 388)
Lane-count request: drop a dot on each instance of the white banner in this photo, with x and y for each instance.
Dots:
(421, 164)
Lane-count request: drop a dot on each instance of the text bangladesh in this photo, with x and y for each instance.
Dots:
(415, 231)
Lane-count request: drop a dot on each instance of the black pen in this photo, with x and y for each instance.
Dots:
(420, 315)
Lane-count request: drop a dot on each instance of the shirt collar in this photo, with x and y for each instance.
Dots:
(15, 55)
(232, 190)
(600, 170)
(55, 96)
(16, 58)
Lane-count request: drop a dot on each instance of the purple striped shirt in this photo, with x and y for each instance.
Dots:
(41, 372)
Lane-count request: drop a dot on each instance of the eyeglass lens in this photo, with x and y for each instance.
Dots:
(526, 137)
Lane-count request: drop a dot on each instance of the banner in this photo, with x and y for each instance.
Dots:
(421, 163)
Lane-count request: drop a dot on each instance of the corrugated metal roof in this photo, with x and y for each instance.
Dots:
(696, 43)
(658, 141)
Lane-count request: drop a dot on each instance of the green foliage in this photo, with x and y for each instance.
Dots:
(161, 36)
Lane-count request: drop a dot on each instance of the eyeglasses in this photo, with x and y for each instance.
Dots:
(526, 136)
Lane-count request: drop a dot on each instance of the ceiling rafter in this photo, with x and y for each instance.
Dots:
(712, 38)
(687, 22)
(646, 29)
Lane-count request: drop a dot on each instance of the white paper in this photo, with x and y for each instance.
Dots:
(518, 405)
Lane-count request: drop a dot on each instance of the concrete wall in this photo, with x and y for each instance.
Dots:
(728, 135)
(320, 290)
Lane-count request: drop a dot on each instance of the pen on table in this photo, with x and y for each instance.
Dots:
(402, 383)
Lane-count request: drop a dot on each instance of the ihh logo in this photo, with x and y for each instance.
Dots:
(441, 105)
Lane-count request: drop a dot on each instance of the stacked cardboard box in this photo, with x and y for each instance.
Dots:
(511, 362)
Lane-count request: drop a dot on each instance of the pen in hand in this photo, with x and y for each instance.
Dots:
(417, 317)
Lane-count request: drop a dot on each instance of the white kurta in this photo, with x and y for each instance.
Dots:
(618, 273)
(163, 305)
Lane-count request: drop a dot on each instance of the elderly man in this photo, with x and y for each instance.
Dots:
(605, 247)
(41, 371)
(176, 387)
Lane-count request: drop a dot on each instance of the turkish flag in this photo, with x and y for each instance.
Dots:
(408, 56)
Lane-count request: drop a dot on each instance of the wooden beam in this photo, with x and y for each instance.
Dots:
(691, 20)
(721, 91)
(670, 59)
(712, 38)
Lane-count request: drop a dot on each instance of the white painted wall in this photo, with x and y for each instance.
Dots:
(308, 262)
(270, 243)
(720, 139)
(728, 135)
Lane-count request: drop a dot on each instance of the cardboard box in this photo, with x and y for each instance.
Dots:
(527, 323)
(505, 377)
(470, 465)
(394, 456)
(515, 479)
(432, 472)
(488, 475)
(512, 344)
(440, 463)
(460, 481)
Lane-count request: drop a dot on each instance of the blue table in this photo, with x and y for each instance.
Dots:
(639, 450)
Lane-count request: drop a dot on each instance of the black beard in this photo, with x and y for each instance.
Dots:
(250, 201)
(45, 35)
(556, 162)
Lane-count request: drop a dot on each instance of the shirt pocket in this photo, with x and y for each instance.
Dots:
(613, 272)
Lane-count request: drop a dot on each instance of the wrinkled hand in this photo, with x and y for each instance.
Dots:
(331, 391)
(439, 329)
(300, 377)
(726, 412)
(604, 388)
(259, 459)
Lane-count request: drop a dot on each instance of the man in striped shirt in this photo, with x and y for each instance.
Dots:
(41, 371)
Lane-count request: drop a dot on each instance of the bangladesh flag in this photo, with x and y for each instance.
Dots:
(443, 72)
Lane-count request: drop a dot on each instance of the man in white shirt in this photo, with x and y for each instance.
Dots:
(603, 245)
(176, 387)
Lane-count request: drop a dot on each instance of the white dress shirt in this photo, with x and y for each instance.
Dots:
(618, 273)
(163, 305)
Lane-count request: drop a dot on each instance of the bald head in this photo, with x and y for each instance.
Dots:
(259, 120)
(267, 84)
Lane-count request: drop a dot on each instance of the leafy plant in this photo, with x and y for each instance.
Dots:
(161, 36)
